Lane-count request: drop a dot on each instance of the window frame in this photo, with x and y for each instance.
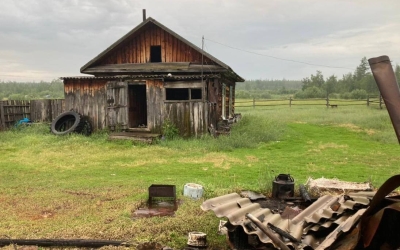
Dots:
(190, 86)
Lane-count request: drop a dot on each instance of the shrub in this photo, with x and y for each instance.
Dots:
(169, 130)
(358, 94)
(310, 92)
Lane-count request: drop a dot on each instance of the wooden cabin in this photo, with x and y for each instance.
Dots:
(149, 75)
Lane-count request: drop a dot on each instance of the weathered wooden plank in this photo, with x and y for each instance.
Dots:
(137, 50)
(163, 48)
(183, 84)
(174, 50)
(142, 48)
(147, 45)
(158, 36)
(170, 48)
(131, 51)
(2, 117)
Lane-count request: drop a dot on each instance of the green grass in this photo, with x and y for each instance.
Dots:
(87, 187)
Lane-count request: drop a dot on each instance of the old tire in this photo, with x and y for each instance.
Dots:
(66, 123)
(84, 126)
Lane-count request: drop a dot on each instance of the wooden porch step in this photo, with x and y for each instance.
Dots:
(134, 136)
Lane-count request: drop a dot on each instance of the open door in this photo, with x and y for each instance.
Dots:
(137, 106)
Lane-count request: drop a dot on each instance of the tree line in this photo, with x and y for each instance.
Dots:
(31, 90)
(353, 85)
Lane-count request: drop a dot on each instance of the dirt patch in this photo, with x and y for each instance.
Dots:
(325, 146)
(251, 158)
(356, 128)
(218, 160)
(158, 208)
(45, 214)
(91, 196)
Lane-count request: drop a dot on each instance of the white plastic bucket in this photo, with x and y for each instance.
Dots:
(193, 190)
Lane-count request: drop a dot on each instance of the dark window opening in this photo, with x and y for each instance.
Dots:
(177, 94)
(155, 54)
(195, 94)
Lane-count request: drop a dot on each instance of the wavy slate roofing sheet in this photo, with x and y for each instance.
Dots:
(338, 214)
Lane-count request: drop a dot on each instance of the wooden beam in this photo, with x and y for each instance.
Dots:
(63, 242)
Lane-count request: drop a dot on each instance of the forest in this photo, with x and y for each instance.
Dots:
(31, 90)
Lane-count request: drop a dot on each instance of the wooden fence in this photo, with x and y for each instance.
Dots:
(35, 110)
(333, 103)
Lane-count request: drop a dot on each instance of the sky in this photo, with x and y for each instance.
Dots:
(42, 40)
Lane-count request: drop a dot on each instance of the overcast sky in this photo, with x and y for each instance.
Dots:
(47, 39)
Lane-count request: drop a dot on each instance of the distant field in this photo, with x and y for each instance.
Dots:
(88, 187)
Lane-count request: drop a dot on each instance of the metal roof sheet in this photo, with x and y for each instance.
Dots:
(337, 213)
(182, 67)
(158, 76)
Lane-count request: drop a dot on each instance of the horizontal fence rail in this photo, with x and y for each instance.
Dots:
(44, 110)
(333, 103)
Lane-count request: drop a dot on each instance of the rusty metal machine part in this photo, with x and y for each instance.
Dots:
(386, 80)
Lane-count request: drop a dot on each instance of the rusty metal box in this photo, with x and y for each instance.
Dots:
(162, 191)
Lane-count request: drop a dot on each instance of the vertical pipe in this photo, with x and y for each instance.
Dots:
(386, 80)
(144, 15)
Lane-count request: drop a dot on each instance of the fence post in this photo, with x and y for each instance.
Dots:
(380, 101)
(368, 101)
(2, 119)
(290, 102)
(327, 101)
(254, 102)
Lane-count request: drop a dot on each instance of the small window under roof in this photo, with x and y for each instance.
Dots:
(155, 53)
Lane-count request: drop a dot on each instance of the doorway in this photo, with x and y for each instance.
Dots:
(137, 110)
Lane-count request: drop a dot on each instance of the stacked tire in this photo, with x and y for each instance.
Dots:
(71, 122)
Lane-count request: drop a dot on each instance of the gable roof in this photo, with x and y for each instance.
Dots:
(142, 24)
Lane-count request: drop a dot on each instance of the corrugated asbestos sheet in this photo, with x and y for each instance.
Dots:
(316, 227)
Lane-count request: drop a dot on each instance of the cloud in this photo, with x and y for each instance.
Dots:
(46, 39)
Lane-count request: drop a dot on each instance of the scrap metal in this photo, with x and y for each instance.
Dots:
(386, 80)
(306, 227)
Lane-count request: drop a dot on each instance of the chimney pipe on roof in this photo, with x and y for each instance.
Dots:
(144, 15)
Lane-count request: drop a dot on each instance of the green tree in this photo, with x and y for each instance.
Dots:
(314, 81)
(330, 85)
(361, 70)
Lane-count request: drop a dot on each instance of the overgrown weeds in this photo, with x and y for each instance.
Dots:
(87, 187)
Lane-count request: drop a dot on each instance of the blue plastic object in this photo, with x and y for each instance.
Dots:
(23, 121)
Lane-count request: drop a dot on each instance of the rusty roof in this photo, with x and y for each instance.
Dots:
(329, 214)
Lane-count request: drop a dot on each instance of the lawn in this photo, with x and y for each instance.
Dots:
(87, 187)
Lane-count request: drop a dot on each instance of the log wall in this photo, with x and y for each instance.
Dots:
(189, 117)
(87, 97)
(106, 104)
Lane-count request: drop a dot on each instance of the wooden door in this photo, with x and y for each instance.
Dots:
(137, 106)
